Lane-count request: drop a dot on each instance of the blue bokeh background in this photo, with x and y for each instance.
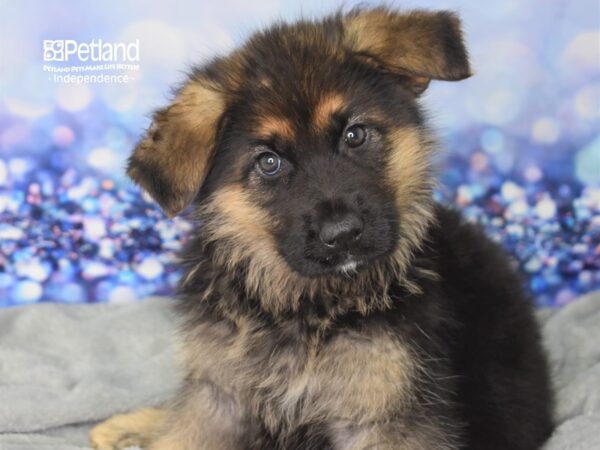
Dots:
(521, 140)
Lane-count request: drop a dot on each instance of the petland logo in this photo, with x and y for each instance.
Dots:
(64, 50)
(70, 62)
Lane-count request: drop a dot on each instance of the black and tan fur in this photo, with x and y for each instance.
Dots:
(416, 336)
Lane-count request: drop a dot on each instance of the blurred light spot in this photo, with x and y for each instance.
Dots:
(533, 174)
(587, 101)
(592, 195)
(511, 191)
(583, 50)
(108, 184)
(587, 163)
(3, 173)
(479, 161)
(463, 195)
(66, 270)
(107, 248)
(73, 97)
(63, 136)
(27, 291)
(87, 186)
(545, 130)
(514, 229)
(585, 278)
(517, 209)
(10, 232)
(492, 141)
(545, 208)
(33, 269)
(94, 228)
(19, 167)
(90, 205)
(104, 158)
(94, 270)
(26, 109)
(127, 277)
(565, 296)
(150, 268)
(533, 265)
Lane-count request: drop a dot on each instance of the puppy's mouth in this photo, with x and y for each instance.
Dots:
(350, 266)
(345, 263)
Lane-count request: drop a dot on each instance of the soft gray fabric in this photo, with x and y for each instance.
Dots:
(62, 367)
(572, 337)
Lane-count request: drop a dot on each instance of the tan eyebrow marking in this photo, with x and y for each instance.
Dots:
(273, 125)
(329, 105)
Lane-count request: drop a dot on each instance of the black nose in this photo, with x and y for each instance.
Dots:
(341, 231)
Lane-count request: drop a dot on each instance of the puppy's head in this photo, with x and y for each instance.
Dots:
(305, 152)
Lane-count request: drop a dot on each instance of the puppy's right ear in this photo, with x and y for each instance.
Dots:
(172, 159)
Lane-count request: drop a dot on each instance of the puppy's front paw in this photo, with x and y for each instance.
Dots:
(109, 435)
(127, 430)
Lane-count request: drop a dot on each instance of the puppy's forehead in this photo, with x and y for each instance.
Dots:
(297, 102)
(301, 82)
(315, 116)
(292, 78)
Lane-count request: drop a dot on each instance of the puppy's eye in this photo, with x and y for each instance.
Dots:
(355, 135)
(268, 163)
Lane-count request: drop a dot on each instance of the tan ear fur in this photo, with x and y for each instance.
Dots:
(172, 159)
(421, 45)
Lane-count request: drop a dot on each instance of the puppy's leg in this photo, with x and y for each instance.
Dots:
(127, 430)
(392, 436)
(203, 417)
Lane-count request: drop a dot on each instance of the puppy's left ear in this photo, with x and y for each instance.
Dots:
(171, 161)
(420, 45)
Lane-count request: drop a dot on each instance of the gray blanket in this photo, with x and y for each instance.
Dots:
(64, 367)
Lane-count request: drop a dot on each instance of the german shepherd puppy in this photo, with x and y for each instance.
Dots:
(327, 301)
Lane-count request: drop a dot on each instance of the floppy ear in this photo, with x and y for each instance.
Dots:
(420, 45)
(172, 159)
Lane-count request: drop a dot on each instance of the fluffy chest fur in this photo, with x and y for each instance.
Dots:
(288, 377)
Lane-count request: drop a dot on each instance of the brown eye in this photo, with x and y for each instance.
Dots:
(355, 135)
(269, 163)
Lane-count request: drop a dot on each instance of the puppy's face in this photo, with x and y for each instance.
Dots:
(305, 151)
(313, 151)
